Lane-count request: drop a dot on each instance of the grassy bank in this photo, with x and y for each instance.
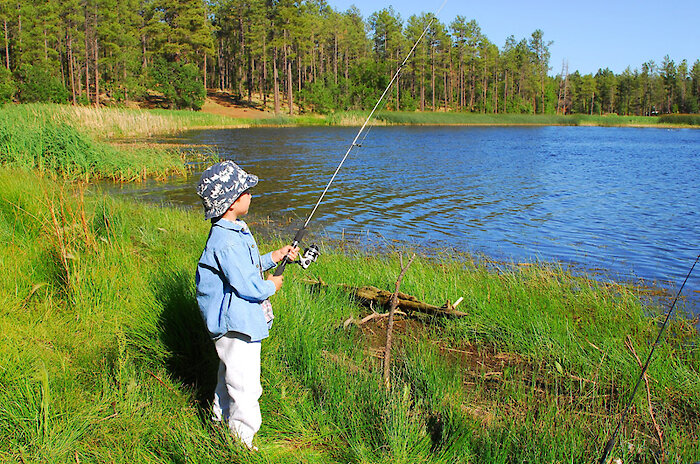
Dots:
(47, 140)
(110, 123)
(516, 119)
(103, 357)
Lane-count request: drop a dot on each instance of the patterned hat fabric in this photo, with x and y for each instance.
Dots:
(220, 185)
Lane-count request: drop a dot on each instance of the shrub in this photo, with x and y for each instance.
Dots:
(36, 84)
(319, 96)
(179, 83)
(8, 87)
(407, 102)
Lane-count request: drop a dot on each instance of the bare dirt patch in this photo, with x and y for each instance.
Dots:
(225, 104)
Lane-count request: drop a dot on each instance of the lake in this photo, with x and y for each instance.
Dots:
(621, 201)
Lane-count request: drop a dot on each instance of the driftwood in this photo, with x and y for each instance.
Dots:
(369, 295)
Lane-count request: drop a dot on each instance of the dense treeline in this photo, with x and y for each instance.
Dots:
(304, 55)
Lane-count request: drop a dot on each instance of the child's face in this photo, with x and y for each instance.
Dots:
(242, 204)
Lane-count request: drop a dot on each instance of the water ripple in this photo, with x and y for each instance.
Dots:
(621, 199)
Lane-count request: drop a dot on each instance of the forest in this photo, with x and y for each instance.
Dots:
(304, 56)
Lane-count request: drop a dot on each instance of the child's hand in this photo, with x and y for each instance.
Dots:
(291, 252)
(277, 280)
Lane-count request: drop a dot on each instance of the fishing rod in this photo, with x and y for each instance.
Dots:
(312, 252)
(611, 442)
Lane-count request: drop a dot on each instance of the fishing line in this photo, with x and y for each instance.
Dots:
(611, 442)
(300, 233)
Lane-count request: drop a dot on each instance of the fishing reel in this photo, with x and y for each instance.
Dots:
(310, 256)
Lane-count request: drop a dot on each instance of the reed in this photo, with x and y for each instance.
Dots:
(113, 364)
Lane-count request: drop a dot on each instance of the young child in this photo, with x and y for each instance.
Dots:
(233, 296)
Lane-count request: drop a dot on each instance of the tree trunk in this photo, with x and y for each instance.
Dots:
(444, 73)
(290, 87)
(97, 70)
(239, 62)
(542, 92)
(275, 77)
(398, 57)
(347, 66)
(264, 75)
(204, 66)
(422, 87)
(144, 60)
(505, 91)
(472, 88)
(432, 77)
(452, 85)
(219, 63)
(87, 55)
(249, 77)
(335, 58)
(72, 69)
(7, 46)
(321, 61)
(461, 86)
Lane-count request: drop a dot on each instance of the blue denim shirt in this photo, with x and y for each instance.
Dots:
(230, 286)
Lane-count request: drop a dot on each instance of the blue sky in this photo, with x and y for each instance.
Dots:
(590, 34)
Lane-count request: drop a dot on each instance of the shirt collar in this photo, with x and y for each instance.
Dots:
(237, 225)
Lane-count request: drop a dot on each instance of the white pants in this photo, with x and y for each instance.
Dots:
(238, 386)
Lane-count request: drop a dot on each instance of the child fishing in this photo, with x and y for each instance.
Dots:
(233, 296)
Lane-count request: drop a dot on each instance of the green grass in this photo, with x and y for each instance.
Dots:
(104, 358)
(680, 119)
(110, 123)
(43, 139)
(512, 119)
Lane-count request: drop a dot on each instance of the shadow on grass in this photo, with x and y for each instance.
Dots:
(191, 357)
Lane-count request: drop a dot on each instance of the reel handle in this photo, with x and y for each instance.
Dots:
(283, 264)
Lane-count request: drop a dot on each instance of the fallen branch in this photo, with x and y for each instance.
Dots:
(407, 303)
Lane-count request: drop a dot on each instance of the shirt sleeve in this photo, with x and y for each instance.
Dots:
(267, 262)
(243, 275)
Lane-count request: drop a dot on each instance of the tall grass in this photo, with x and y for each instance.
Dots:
(680, 119)
(103, 356)
(438, 118)
(34, 137)
(110, 123)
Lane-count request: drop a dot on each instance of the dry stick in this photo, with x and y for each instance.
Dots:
(390, 322)
(628, 344)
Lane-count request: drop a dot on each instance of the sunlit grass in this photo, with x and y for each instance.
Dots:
(681, 119)
(467, 118)
(44, 139)
(103, 356)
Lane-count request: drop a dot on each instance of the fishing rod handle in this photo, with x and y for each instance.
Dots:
(283, 264)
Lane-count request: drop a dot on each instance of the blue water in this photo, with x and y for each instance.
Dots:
(624, 201)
